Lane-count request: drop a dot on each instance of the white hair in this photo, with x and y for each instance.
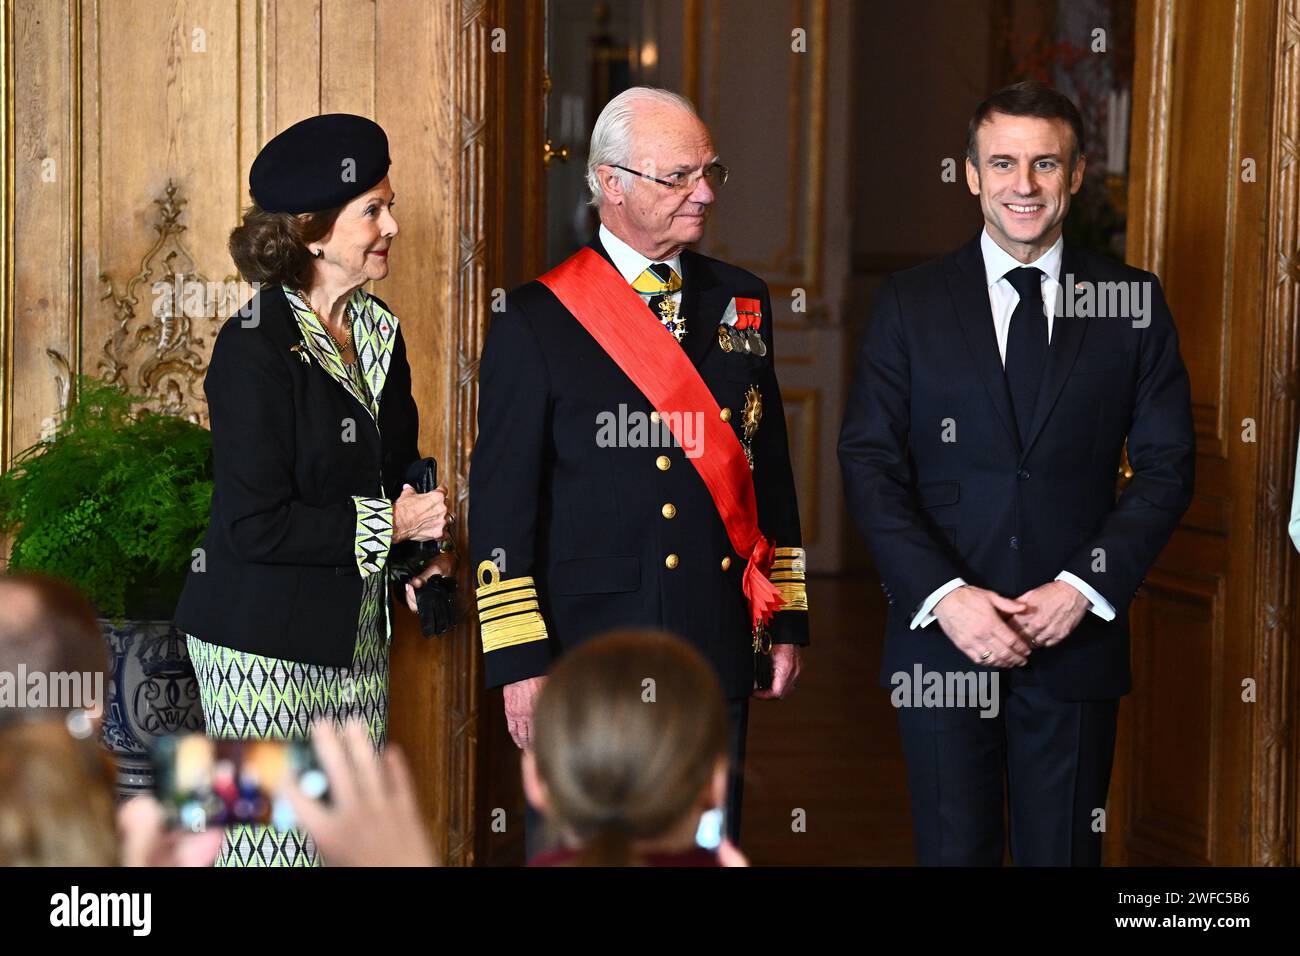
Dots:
(611, 139)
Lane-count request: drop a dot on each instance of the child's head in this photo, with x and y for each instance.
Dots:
(629, 743)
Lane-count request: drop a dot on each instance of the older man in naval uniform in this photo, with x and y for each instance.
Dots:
(632, 467)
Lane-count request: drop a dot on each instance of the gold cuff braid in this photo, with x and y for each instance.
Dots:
(788, 565)
(507, 610)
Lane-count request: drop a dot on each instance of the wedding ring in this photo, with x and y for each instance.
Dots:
(986, 655)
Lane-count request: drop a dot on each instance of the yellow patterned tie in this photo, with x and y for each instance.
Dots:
(659, 279)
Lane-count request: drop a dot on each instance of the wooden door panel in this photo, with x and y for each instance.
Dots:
(1171, 786)
(1204, 756)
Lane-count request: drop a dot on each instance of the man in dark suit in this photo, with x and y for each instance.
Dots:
(587, 513)
(993, 396)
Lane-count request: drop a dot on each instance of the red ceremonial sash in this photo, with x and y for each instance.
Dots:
(618, 319)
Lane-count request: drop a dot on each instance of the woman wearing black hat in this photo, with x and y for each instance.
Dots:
(313, 428)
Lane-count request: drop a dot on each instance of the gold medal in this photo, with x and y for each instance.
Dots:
(753, 413)
(724, 338)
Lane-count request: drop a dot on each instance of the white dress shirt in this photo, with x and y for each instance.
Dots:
(631, 263)
(1003, 299)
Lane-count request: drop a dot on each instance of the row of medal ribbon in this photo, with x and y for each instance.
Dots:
(748, 341)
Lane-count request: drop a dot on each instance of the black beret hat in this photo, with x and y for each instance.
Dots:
(319, 163)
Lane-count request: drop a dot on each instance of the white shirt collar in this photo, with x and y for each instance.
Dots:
(627, 260)
(998, 262)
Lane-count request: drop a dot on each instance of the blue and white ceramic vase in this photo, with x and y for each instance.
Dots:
(152, 693)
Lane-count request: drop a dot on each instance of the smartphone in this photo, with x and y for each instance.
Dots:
(203, 783)
(709, 833)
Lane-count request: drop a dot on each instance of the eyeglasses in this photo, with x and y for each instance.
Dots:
(715, 174)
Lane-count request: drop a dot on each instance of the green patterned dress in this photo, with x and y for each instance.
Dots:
(251, 697)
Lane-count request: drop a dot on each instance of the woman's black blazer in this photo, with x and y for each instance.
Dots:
(278, 574)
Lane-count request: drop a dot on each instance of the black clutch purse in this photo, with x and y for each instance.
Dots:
(436, 598)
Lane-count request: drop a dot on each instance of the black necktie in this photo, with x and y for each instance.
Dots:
(1026, 346)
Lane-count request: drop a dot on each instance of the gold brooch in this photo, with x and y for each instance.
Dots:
(302, 352)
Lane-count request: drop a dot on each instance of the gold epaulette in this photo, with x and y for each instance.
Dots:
(788, 567)
(507, 610)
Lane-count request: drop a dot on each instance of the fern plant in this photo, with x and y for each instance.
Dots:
(115, 502)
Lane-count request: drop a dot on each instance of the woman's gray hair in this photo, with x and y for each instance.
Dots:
(611, 139)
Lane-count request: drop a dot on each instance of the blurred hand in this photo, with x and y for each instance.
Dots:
(444, 565)
(1053, 610)
(786, 664)
(146, 841)
(420, 517)
(372, 818)
(521, 698)
(973, 620)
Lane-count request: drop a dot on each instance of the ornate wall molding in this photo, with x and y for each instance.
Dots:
(470, 69)
(164, 318)
(1274, 757)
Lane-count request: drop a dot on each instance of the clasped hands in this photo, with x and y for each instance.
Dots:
(424, 517)
(421, 517)
(1002, 632)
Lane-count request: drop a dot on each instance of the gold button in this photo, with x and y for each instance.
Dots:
(662, 463)
(726, 414)
(726, 563)
(654, 417)
(671, 561)
(669, 510)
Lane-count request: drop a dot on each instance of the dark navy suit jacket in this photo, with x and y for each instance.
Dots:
(940, 487)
